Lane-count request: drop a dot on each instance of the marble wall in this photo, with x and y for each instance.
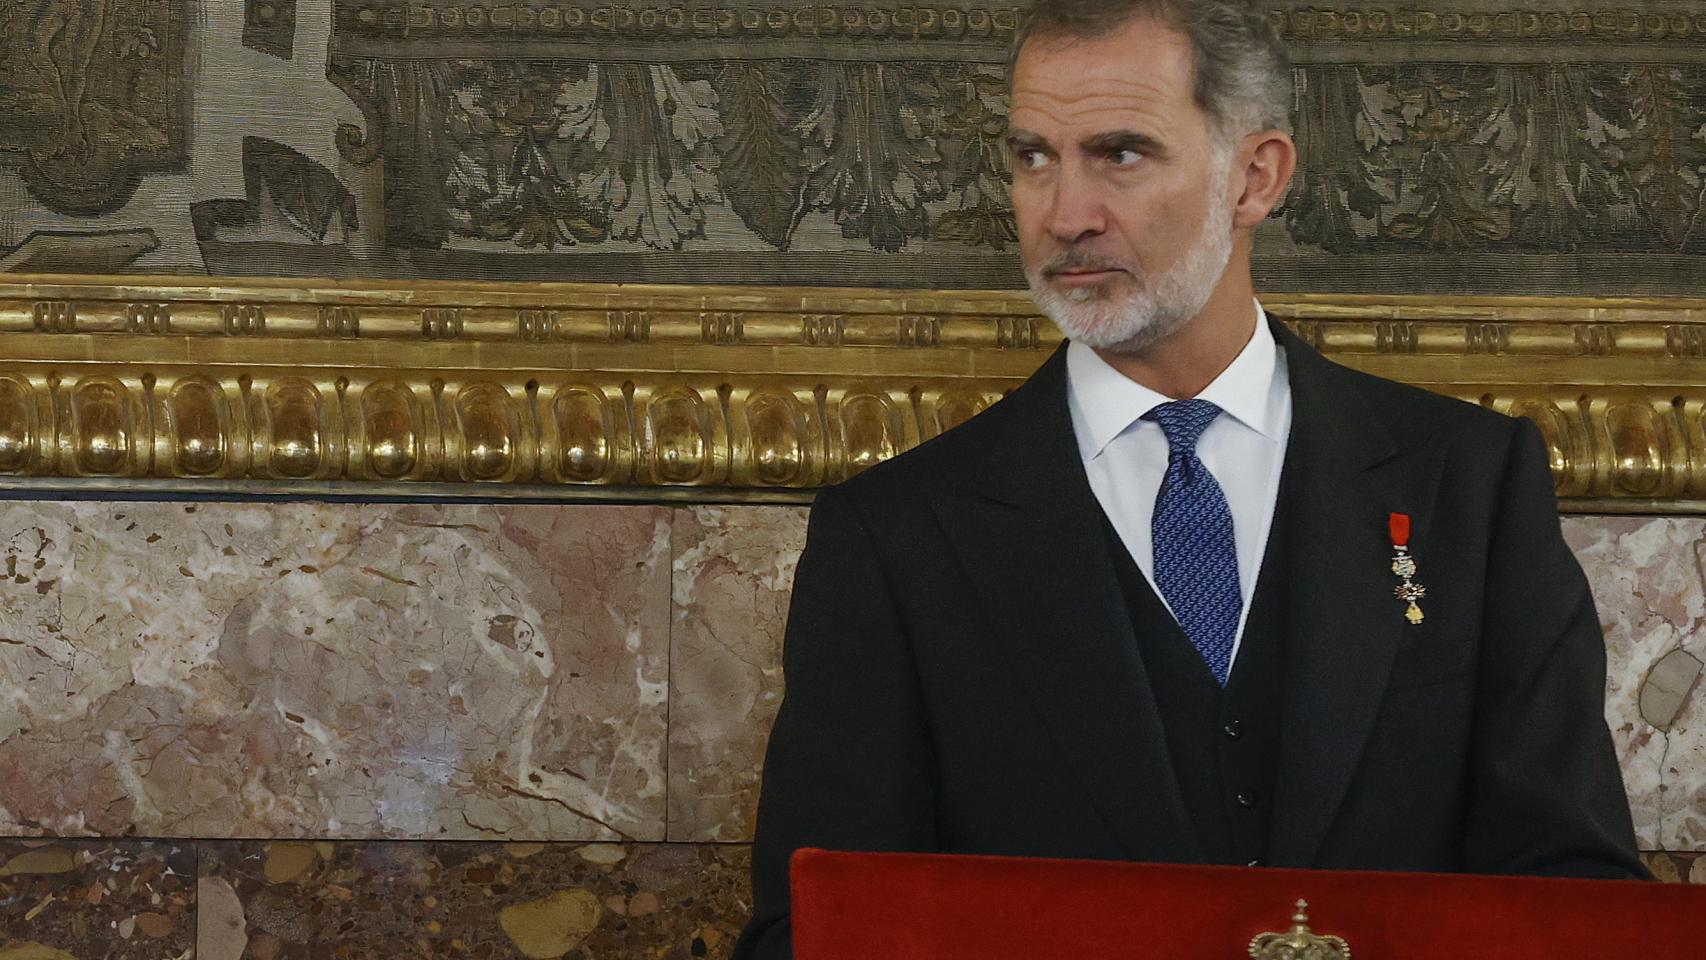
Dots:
(476, 672)
(1650, 586)
(496, 730)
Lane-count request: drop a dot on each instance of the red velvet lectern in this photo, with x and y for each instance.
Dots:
(870, 906)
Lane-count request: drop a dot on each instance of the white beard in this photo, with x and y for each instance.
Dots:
(1153, 311)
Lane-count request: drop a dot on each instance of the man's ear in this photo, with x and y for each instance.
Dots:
(1268, 159)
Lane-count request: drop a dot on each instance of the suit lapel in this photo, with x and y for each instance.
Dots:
(1343, 477)
(1031, 541)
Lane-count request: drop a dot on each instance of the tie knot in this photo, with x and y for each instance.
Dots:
(1183, 421)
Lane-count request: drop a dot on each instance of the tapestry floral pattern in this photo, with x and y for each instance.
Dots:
(1459, 147)
(1455, 157)
(1424, 157)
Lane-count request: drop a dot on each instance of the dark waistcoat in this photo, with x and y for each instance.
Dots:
(1224, 744)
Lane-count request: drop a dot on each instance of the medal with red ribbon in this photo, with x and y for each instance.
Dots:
(1404, 566)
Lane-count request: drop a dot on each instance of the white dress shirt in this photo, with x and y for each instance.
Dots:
(1125, 456)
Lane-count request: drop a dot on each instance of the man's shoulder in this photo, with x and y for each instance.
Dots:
(943, 462)
(972, 454)
(1415, 415)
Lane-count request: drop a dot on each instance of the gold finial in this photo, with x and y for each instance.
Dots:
(1299, 943)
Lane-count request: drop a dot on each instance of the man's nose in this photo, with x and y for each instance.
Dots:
(1077, 212)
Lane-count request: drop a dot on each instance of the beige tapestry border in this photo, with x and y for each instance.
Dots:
(585, 391)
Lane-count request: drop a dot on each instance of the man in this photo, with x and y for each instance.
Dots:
(1192, 593)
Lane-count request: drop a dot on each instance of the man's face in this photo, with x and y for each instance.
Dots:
(1120, 186)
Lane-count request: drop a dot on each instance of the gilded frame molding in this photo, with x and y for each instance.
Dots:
(127, 386)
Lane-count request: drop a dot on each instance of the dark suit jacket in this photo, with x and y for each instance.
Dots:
(962, 674)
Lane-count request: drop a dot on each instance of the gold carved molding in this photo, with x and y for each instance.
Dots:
(699, 20)
(1622, 23)
(564, 391)
(986, 21)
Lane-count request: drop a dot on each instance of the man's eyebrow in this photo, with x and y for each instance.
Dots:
(1124, 140)
(1025, 140)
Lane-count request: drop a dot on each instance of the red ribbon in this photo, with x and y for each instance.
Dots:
(1399, 524)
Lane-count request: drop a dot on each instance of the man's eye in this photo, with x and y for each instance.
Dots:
(1032, 159)
(1124, 158)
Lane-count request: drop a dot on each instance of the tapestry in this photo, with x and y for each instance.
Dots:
(1448, 146)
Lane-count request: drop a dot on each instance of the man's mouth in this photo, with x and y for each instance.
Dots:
(1084, 276)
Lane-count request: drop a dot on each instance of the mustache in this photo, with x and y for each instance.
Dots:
(1084, 260)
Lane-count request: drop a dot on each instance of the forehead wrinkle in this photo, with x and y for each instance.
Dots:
(1093, 88)
(1083, 103)
(1088, 121)
(1119, 114)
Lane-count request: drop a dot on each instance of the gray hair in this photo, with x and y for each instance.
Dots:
(1242, 71)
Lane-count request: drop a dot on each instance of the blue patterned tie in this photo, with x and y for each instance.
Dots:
(1196, 560)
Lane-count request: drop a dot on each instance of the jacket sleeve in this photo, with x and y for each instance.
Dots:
(849, 765)
(1546, 795)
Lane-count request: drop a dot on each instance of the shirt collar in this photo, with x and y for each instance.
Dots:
(1105, 403)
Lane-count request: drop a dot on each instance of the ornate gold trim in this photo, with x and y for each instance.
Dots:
(666, 21)
(978, 21)
(1370, 22)
(567, 390)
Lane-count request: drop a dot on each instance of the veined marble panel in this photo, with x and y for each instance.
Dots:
(280, 670)
(1650, 586)
(734, 567)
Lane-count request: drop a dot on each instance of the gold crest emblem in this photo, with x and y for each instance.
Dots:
(1299, 943)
